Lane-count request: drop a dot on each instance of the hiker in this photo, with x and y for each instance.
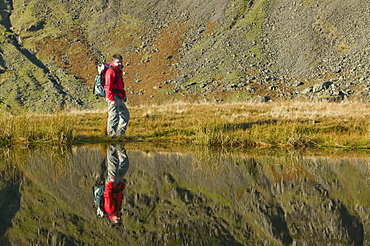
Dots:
(118, 114)
(115, 184)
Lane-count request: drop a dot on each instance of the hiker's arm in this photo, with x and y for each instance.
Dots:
(124, 95)
(109, 186)
(110, 78)
(108, 206)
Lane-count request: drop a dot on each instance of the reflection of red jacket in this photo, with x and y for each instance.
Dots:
(113, 198)
(113, 86)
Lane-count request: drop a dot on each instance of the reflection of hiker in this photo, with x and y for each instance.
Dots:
(118, 114)
(109, 187)
(118, 164)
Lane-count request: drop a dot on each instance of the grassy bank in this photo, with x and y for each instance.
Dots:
(36, 129)
(288, 124)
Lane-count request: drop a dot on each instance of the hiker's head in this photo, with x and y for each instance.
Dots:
(116, 219)
(117, 60)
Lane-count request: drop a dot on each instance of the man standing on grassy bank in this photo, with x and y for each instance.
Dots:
(118, 114)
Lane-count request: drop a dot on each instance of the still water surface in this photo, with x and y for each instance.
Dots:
(186, 197)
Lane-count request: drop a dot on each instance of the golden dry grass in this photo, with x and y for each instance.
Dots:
(289, 124)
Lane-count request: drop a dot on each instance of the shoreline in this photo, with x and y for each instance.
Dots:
(294, 125)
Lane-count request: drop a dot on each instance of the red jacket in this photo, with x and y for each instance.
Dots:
(113, 86)
(113, 198)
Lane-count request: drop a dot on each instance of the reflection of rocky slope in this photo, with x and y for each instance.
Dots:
(9, 200)
(180, 198)
(309, 210)
(196, 50)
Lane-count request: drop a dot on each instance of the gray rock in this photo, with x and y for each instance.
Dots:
(321, 86)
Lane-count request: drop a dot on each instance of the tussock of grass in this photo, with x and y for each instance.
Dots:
(33, 129)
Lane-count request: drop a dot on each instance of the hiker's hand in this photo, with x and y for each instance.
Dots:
(113, 103)
(124, 99)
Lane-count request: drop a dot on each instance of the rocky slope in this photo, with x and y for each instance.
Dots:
(184, 50)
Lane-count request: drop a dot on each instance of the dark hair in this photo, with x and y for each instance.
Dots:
(117, 56)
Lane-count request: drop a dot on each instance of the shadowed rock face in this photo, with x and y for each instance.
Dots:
(210, 199)
(9, 206)
(185, 50)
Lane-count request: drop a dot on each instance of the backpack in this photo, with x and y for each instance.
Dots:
(98, 191)
(100, 80)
